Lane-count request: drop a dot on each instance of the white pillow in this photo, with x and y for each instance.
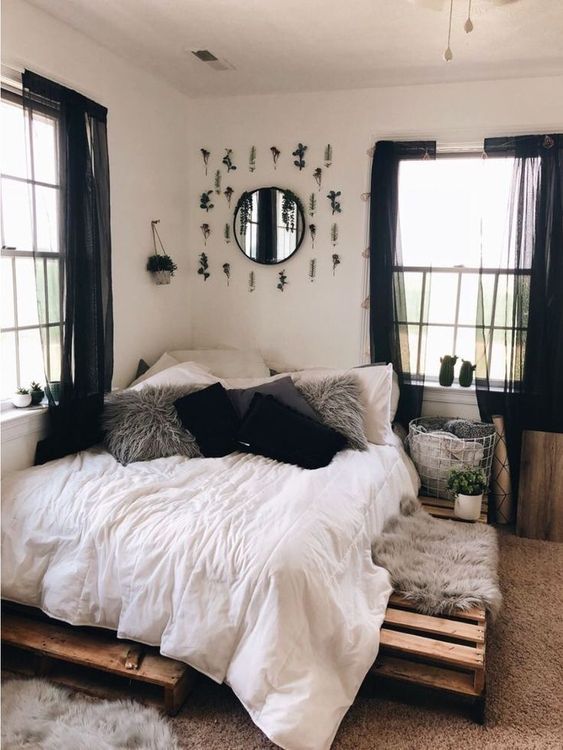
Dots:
(161, 364)
(375, 385)
(226, 363)
(185, 373)
(395, 394)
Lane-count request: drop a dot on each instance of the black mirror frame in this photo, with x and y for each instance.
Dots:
(300, 208)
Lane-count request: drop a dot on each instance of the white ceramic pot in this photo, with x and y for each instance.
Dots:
(21, 400)
(468, 507)
(162, 277)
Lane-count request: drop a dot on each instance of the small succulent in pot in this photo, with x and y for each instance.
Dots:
(37, 393)
(466, 373)
(447, 364)
(21, 398)
(467, 486)
(162, 267)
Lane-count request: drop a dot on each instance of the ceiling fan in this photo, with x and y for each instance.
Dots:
(440, 5)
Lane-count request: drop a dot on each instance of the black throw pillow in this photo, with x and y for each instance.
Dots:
(210, 417)
(274, 430)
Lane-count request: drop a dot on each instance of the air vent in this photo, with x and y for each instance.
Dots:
(210, 59)
(204, 55)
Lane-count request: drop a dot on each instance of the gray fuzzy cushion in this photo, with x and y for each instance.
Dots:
(336, 399)
(143, 425)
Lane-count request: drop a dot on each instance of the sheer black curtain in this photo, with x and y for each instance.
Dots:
(84, 238)
(530, 397)
(389, 340)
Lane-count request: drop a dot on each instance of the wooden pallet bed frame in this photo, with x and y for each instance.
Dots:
(444, 653)
(440, 653)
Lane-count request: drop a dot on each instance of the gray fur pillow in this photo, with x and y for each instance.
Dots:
(143, 425)
(336, 399)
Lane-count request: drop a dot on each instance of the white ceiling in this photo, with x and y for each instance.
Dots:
(314, 45)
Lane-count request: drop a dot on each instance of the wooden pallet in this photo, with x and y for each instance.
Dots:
(76, 656)
(444, 653)
(442, 508)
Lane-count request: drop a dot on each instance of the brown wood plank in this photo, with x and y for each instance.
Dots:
(462, 631)
(476, 613)
(442, 502)
(427, 675)
(540, 495)
(441, 651)
(93, 649)
(449, 514)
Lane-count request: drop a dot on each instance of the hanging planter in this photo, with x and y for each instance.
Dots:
(160, 264)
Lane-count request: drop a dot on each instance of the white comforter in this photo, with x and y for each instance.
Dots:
(254, 572)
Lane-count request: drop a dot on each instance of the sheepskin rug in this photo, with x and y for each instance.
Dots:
(37, 714)
(440, 565)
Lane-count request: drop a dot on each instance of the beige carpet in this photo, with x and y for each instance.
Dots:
(525, 682)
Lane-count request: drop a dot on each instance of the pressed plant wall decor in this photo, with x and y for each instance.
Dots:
(312, 204)
(160, 264)
(205, 154)
(228, 160)
(252, 159)
(227, 233)
(206, 231)
(313, 231)
(203, 269)
(228, 193)
(227, 272)
(334, 202)
(300, 154)
(251, 282)
(334, 234)
(312, 269)
(328, 155)
(318, 175)
(275, 155)
(282, 280)
(218, 182)
(335, 262)
(205, 201)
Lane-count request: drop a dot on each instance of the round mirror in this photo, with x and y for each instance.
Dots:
(269, 224)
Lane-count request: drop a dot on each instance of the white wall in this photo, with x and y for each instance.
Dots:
(147, 122)
(322, 323)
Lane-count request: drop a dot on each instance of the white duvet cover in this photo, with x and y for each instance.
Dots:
(254, 572)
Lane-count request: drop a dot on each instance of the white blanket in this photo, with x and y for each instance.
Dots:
(254, 572)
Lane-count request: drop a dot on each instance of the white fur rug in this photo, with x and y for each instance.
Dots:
(440, 565)
(40, 716)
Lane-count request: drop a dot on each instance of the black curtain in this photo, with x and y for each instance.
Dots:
(530, 397)
(389, 341)
(84, 225)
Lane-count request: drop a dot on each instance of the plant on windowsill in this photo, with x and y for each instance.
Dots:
(160, 264)
(468, 486)
(21, 398)
(37, 393)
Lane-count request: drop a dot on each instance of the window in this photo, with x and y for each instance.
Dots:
(30, 273)
(453, 212)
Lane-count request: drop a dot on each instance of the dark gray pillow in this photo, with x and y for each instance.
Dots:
(283, 389)
(336, 399)
(143, 425)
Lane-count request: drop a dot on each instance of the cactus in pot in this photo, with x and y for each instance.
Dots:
(466, 373)
(447, 365)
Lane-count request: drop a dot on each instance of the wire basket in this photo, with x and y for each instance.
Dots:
(435, 452)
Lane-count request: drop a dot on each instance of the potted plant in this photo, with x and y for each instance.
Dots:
(37, 393)
(21, 398)
(468, 486)
(160, 264)
(162, 267)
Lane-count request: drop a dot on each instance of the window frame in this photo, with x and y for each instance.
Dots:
(460, 270)
(36, 255)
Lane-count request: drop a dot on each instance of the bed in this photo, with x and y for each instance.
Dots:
(254, 572)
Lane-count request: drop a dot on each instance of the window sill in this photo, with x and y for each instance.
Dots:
(453, 394)
(17, 423)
